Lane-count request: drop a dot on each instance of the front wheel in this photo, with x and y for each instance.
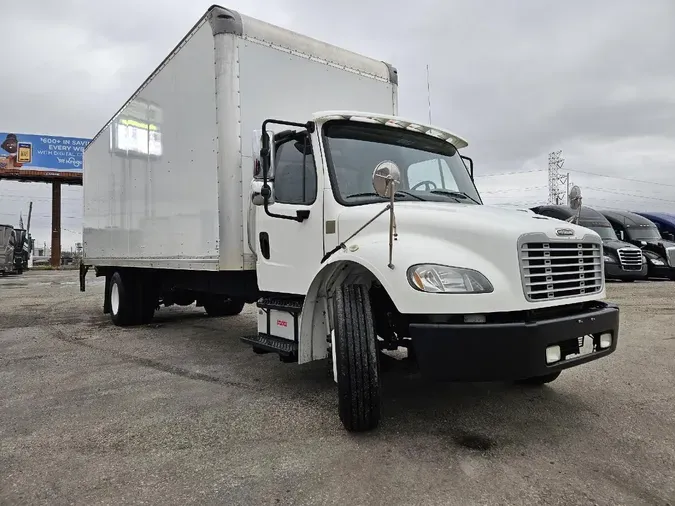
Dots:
(357, 359)
(539, 380)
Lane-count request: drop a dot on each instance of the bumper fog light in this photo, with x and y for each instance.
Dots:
(552, 354)
(605, 340)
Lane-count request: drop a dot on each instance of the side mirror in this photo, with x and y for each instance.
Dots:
(668, 236)
(256, 153)
(469, 165)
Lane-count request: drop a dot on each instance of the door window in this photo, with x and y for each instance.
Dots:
(294, 174)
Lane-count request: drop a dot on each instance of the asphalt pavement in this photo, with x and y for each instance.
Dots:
(181, 412)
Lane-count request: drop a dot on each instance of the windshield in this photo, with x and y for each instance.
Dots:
(607, 233)
(431, 169)
(644, 234)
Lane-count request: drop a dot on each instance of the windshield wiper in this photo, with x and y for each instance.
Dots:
(453, 193)
(398, 193)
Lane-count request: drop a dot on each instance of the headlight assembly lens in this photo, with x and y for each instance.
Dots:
(434, 278)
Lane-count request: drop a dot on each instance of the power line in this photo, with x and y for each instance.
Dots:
(621, 178)
(505, 190)
(630, 194)
(19, 197)
(510, 173)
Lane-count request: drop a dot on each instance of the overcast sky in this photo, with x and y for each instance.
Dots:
(518, 79)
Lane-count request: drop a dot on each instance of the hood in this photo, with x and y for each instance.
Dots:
(614, 244)
(440, 219)
(657, 243)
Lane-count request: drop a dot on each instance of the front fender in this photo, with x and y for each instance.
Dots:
(366, 259)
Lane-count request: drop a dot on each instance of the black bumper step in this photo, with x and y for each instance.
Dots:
(280, 304)
(284, 347)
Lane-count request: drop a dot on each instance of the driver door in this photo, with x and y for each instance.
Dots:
(289, 252)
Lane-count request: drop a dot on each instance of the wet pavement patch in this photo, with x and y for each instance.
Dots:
(475, 442)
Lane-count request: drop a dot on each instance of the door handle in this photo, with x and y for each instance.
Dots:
(264, 241)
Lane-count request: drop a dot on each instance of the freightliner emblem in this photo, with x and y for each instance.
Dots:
(564, 231)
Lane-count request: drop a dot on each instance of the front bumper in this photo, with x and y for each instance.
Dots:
(615, 271)
(661, 271)
(510, 351)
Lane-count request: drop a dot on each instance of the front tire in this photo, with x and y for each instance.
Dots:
(537, 381)
(357, 358)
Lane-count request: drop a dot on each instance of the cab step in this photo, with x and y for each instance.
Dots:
(291, 305)
(286, 349)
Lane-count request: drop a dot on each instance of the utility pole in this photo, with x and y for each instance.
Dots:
(567, 190)
(56, 224)
(429, 93)
(30, 212)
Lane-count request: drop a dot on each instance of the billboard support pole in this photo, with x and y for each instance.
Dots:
(56, 224)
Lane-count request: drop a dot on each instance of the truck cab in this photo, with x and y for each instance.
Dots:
(372, 234)
(643, 233)
(7, 246)
(665, 222)
(622, 260)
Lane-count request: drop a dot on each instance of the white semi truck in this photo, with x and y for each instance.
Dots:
(257, 165)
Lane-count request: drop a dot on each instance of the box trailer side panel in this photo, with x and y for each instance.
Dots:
(281, 75)
(150, 177)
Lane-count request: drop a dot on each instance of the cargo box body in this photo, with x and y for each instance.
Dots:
(166, 181)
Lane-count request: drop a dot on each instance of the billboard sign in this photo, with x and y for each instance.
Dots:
(41, 157)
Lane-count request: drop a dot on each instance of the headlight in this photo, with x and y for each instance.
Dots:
(434, 278)
(609, 259)
(644, 259)
(654, 258)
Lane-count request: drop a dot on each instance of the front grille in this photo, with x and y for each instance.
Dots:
(671, 256)
(630, 258)
(555, 270)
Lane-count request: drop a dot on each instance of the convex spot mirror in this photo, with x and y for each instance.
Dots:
(386, 176)
(257, 194)
(575, 197)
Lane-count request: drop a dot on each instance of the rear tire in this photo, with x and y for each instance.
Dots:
(536, 381)
(223, 307)
(122, 300)
(357, 358)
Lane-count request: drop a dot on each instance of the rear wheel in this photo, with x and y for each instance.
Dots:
(357, 359)
(122, 300)
(223, 307)
(539, 380)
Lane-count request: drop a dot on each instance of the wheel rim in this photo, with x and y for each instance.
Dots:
(115, 299)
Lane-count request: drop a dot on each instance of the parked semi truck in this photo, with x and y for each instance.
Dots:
(643, 233)
(622, 260)
(665, 223)
(257, 165)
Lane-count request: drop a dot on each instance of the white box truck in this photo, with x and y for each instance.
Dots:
(257, 165)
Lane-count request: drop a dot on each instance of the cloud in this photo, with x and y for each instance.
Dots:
(517, 79)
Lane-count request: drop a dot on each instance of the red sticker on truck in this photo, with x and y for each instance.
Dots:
(282, 323)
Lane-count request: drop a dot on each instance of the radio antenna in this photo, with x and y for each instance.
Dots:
(429, 93)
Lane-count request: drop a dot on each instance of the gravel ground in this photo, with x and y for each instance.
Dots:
(181, 412)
